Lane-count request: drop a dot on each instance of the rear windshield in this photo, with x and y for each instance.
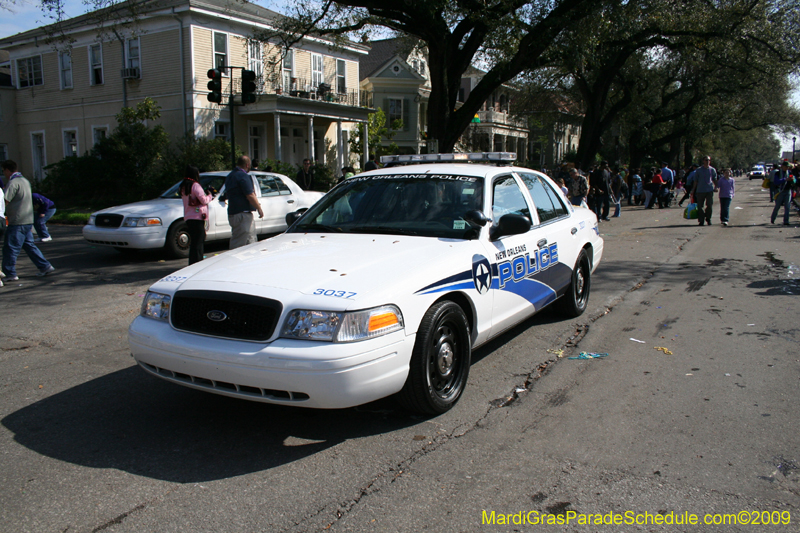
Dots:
(425, 205)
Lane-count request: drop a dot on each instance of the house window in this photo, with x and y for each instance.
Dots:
(96, 64)
(394, 110)
(288, 67)
(220, 51)
(132, 53)
(222, 130)
(255, 143)
(65, 67)
(29, 71)
(256, 63)
(341, 80)
(317, 75)
(70, 143)
(99, 133)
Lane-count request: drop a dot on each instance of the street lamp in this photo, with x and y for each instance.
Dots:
(793, 140)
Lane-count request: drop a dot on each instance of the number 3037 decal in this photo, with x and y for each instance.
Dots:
(334, 293)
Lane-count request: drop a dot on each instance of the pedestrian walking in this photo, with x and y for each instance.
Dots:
(600, 183)
(19, 233)
(784, 181)
(726, 190)
(580, 187)
(705, 184)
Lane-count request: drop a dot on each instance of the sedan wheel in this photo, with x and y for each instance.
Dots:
(440, 362)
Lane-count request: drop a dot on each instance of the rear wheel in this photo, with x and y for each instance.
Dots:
(178, 240)
(575, 300)
(440, 362)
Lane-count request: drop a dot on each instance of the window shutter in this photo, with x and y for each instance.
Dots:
(386, 112)
(406, 113)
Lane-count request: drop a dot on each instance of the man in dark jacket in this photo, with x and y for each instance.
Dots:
(599, 182)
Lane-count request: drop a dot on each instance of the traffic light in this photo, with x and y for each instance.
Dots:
(248, 87)
(215, 85)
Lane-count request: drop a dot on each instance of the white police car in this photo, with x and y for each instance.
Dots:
(158, 223)
(383, 287)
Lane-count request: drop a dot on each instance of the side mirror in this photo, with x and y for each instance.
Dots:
(294, 216)
(476, 219)
(510, 225)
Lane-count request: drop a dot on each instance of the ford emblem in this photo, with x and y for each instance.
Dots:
(216, 316)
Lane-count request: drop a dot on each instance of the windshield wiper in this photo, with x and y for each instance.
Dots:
(318, 227)
(388, 230)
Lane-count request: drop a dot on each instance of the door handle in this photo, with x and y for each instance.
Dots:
(574, 231)
(289, 201)
(541, 243)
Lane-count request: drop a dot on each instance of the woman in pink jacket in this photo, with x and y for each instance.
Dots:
(195, 212)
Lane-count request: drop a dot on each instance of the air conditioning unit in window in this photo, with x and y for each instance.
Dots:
(130, 73)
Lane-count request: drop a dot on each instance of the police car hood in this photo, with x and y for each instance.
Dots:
(144, 208)
(367, 265)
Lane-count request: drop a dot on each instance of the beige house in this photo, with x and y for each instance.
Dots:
(555, 131)
(66, 95)
(396, 74)
(8, 118)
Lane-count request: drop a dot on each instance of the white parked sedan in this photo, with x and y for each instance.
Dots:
(383, 287)
(159, 223)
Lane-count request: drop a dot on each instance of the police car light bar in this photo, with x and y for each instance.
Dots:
(478, 157)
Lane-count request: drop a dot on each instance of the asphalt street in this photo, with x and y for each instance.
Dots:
(693, 412)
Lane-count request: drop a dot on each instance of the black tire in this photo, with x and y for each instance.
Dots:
(439, 367)
(576, 299)
(178, 240)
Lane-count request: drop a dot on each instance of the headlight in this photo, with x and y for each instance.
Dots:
(156, 306)
(91, 220)
(131, 222)
(335, 326)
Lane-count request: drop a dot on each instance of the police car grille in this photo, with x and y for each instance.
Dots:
(108, 221)
(225, 314)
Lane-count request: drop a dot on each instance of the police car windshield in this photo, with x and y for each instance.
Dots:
(214, 181)
(407, 204)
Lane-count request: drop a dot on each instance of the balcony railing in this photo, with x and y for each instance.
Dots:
(498, 117)
(303, 88)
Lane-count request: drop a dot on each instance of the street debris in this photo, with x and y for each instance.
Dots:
(637, 340)
(556, 351)
(589, 355)
(663, 349)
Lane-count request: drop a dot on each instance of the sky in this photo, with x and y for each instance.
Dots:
(22, 15)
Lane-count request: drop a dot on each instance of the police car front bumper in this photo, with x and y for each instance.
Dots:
(285, 371)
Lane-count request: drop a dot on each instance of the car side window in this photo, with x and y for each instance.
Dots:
(548, 205)
(282, 187)
(507, 198)
(268, 186)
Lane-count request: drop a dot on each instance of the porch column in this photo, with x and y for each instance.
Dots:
(365, 155)
(311, 140)
(339, 146)
(278, 152)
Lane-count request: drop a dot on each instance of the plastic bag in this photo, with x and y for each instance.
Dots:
(690, 212)
(765, 183)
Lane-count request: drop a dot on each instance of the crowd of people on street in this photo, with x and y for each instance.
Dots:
(601, 186)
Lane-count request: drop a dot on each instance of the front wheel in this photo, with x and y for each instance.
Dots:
(575, 300)
(440, 362)
(178, 240)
